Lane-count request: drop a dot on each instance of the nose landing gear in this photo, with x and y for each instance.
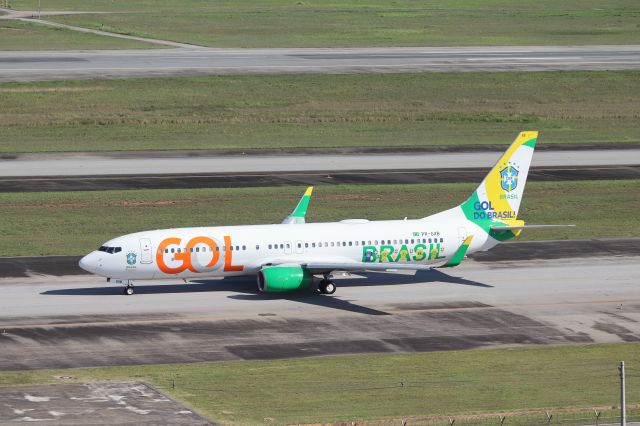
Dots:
(128, 286)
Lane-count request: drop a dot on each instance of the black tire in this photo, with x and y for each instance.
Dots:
(128, 291)
(330, 288)
(322, 287)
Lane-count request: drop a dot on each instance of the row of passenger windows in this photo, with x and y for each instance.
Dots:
(110, 250)
(205, 249)
(357, 243)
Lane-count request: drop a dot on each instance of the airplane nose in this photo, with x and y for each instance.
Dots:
(89, 263)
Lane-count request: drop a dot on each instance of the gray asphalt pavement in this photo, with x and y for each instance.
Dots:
(82, 321)
(239, 180)
(28, 66)
(101, 165)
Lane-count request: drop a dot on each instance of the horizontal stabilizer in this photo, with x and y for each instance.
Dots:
(519, 227)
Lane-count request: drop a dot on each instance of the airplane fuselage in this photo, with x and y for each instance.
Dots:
(243, 250)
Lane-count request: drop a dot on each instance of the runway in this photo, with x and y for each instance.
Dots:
(50, 322)
(48, 65)
(89, 164)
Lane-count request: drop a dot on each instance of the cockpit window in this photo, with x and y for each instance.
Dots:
(110, 250)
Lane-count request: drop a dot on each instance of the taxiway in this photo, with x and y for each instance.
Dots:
(50, 322)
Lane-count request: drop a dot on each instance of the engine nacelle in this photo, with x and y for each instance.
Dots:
(283, 278)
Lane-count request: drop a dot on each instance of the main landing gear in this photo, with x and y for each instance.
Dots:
(128, 290)
(326, 286)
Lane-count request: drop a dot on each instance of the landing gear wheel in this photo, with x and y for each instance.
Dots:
(128, 290)
(327, 287)
(330, 288)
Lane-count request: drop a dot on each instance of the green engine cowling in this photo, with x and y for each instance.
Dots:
(283, 278)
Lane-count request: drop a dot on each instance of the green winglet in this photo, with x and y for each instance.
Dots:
(459, 254)
(298, 214)
(301, 208)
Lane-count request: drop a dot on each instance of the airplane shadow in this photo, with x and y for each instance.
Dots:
(246, 289)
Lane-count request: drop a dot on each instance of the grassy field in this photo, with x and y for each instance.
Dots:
(18, 35)
(389, 110)
(279, 23)
(368, 386)
(78, 222)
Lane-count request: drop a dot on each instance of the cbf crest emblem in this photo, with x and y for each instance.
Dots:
(509, 178)
(131, 258)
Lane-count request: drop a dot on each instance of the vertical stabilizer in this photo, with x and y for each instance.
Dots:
(497, 200)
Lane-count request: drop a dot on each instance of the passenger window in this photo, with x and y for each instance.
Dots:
(269, 246)
(306, 245)
(166, 250)
(331, 243)
(257, 247)
(442, 240)
(299, 245)
(376, 241)
(350, 243)
(363, 243)
(281, 246)
(412, 241)
(173, 250)
(313, 245)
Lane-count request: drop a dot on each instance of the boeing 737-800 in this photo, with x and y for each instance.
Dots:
(295, 255)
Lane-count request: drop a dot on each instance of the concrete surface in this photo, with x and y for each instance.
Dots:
(48, 65)
(98, 165)
(235, 180)
(93, 404)
(48, 322)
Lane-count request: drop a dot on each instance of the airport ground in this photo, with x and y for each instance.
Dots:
(361, 111)
(528, 304)
(533, 325)
(278, 23)
(64, 223)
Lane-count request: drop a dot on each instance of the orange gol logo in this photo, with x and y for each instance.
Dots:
(186, 257)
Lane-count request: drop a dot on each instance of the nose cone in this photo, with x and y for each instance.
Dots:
(91, 263)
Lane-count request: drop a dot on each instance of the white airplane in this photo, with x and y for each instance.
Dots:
(295, 255)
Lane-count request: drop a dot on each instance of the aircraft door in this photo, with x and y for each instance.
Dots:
(145, 251)
(462, 234)
(299, 248)
(287, 247)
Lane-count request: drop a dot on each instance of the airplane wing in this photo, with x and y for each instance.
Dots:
(297, 215)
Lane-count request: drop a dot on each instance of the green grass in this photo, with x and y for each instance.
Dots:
(388, 110)
(368, 386)
(19, 35)
(280, 23)
(78, 222)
